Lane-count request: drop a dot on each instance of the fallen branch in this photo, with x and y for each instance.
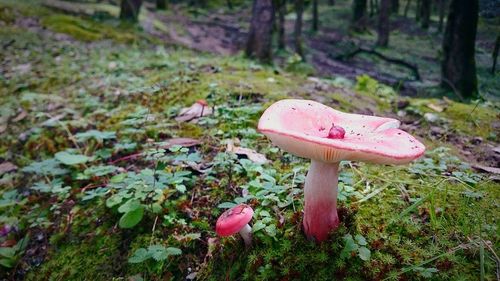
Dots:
(408, 65)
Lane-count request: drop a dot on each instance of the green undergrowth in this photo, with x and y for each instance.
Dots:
(89, 126)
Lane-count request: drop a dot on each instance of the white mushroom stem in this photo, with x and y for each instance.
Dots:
(320, 195)
(246, 234)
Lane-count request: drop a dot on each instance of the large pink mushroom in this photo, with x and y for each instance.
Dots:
(312, 130)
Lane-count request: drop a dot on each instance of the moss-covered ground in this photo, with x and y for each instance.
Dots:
(95, 183)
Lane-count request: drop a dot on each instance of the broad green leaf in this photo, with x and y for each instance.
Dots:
(129, 206)
(258, 226)
(98, 135)
(360, 240)
(7, 262)
(71, 159)
(364, 253)
(114, 200)
(130, 219)
(139, 256)
(226, 205)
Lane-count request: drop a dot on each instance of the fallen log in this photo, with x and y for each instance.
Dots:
(403, 63)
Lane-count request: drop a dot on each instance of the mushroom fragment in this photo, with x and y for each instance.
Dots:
(312, 130)
(236, 220)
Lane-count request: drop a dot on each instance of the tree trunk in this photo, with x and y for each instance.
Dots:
(372, 8)
(418, 10)
(407, 8)
(458, 69)
(494, 55)
(359, 15)
(129, 10)
(383, 23)
(261, 31)
(299, 10)
(331, 2)
(229, 4)
(315, 15)
(281, 25)
(395, 6)
(426, 13)
(161, 4)
(442, 11)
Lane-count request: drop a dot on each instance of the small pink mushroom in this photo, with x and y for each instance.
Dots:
(236, 220)
(326, 136)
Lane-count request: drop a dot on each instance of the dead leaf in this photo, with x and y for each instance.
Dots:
(6, 167)
(3, 127)
(435, 107)
(491, 170)
(186, 142)
(8, 243)
(197, 110)
(251, 154)
(21, 116)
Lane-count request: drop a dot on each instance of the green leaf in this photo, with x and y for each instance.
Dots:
(129, 206)
(71, 159)
(360, 240)
(172, 251)
(7, 252)
(114, 200)
(180, 187)
(349, 247)
(258, 226)
(139, 256)
(98, 135)
(7, 262)
(226, 205)
(364, 253)
(158, 252)
(100, 170)
(130, 219)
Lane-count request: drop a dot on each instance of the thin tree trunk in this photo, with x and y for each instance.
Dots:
(418, 10)
(331, 2)
(407, 7)
(261, 31)
(458, 69)
(315, 15)
(299, 10)
(383, 23)
(372, 8)
(442, 11)
(494, 55)
(359, 15)
(229, 4)
(395, 6)
(281, 25)
(161, 4)
(129, 10)
(426, 13)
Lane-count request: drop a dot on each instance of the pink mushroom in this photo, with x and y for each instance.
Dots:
(236, 220)
(312, 130)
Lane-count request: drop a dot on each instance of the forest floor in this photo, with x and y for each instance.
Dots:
(98, 180)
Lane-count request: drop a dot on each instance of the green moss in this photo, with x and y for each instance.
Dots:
(85, 30)
(97, 259)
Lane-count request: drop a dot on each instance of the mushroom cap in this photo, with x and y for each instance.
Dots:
(233, 220)
(301, 127)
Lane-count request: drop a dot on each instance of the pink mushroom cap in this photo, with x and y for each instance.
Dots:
(301, 127)
(233, 220)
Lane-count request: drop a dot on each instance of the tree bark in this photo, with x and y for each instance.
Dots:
(281, 25)
(494, 55)
(418, 10)
(161, 4)
(442, 11)
(395, 6)
(299, 10)
(407, 8)
(458, 68)
(426, 13)
(129, 10)
(359, 15)
(315, 23)
(261, 31)
(383, 23)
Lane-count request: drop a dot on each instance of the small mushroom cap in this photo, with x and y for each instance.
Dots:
(233, 220)
(301, 127)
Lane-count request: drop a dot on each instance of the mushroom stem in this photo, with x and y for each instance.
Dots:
(320, 194)
(246, 234)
